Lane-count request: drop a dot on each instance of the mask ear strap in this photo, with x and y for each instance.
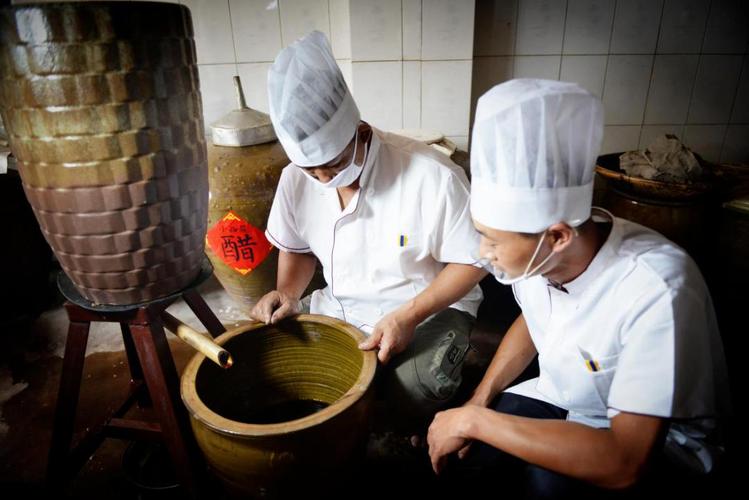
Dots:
(535, 254)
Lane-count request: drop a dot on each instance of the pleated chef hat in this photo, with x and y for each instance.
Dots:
(311, 107)
(533, 154)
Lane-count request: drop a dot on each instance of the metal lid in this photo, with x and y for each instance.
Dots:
(244, 126)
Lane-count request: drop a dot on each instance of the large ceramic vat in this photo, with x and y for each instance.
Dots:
(102, 105)
(292, 409)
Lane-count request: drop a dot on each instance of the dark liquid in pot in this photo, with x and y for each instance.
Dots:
(283, 412)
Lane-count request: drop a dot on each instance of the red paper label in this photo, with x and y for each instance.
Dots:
(238, 243)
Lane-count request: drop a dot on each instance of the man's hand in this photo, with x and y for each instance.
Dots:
(274, 306)
(448, 433)
(391, 334)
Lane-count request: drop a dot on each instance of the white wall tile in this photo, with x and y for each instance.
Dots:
(257, 29)
(537, 67)
(345, 65)
(378, 90)
(299, 17)
(254, 78)
(540, 27)
(650, 132)
(217, 91)
(495, 27)
(683, 26)
(705, 140)
(213, 39)
(620, 138)
(411, 30)
(714, 89)
(340, 28)
(741, 104)
(670, 88)
(588, 26)
(587, 71)
(626, 88)
(736, 145)
(726, 30)
(636, 26)
(411, 94)
(376, 30)
(445, 96)
(447, 29)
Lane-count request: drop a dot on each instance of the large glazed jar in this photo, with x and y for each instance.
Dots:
(102, 105)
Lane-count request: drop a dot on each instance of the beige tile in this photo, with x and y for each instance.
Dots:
(726, 31)
(213, 37)
(257, 30)
(670, 88)
(636, 26)
(705, 140)
(445, 96)
(412, 30)
(714, 89)
(376, 29)
(537, 67)
(741, 104)
(447, 30)
(217, 91)
(587, 71)
(411, 94)
(626, 88)
(255, 84)
(495, 27)
(588, 26)
(378, 90)
(620, 138)
(299, 17)
(736, 145)
(683, 26)
(540, 27)
(340, 28)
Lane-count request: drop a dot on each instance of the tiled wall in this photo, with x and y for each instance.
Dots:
(676, 66)
(409, 64)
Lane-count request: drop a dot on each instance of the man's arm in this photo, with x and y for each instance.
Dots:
(395, 330)
(611, 458)
(295, 271)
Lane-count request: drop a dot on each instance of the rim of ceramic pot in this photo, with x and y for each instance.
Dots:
(199, 411)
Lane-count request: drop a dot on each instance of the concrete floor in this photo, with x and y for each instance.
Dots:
(28, 390)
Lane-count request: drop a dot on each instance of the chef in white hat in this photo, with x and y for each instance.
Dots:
(630, 358)
(389, 220)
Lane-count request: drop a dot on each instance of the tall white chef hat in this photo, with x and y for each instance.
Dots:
(311, 107)
(533, 155)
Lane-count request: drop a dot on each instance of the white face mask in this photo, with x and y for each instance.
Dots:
(502, 277)
(351, 172)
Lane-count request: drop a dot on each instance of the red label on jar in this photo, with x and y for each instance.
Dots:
(238, 243)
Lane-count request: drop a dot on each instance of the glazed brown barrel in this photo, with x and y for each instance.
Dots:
(102, 105)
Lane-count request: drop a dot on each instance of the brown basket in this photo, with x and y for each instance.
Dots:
(102, 105)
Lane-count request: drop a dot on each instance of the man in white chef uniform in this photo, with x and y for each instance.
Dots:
(631, 362)
(389, 220)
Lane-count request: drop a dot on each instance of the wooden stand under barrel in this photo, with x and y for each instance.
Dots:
(154, 382)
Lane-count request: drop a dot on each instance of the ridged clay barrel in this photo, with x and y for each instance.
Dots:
(102, 105)
(244, 417)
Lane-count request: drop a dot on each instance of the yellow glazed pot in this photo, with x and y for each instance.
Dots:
(253, 421)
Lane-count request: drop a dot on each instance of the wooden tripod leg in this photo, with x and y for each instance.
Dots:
(163, 385)
(203, 312)
(136, 370)
(67, 401)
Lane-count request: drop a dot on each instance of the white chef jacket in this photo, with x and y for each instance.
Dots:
(636, 332)
(410, 217)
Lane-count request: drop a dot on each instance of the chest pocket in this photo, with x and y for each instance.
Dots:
(594, 376)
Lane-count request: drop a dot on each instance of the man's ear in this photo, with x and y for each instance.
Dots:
(561, 235)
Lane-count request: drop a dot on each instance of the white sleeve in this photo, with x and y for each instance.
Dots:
(453, 238)
(282, 231)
